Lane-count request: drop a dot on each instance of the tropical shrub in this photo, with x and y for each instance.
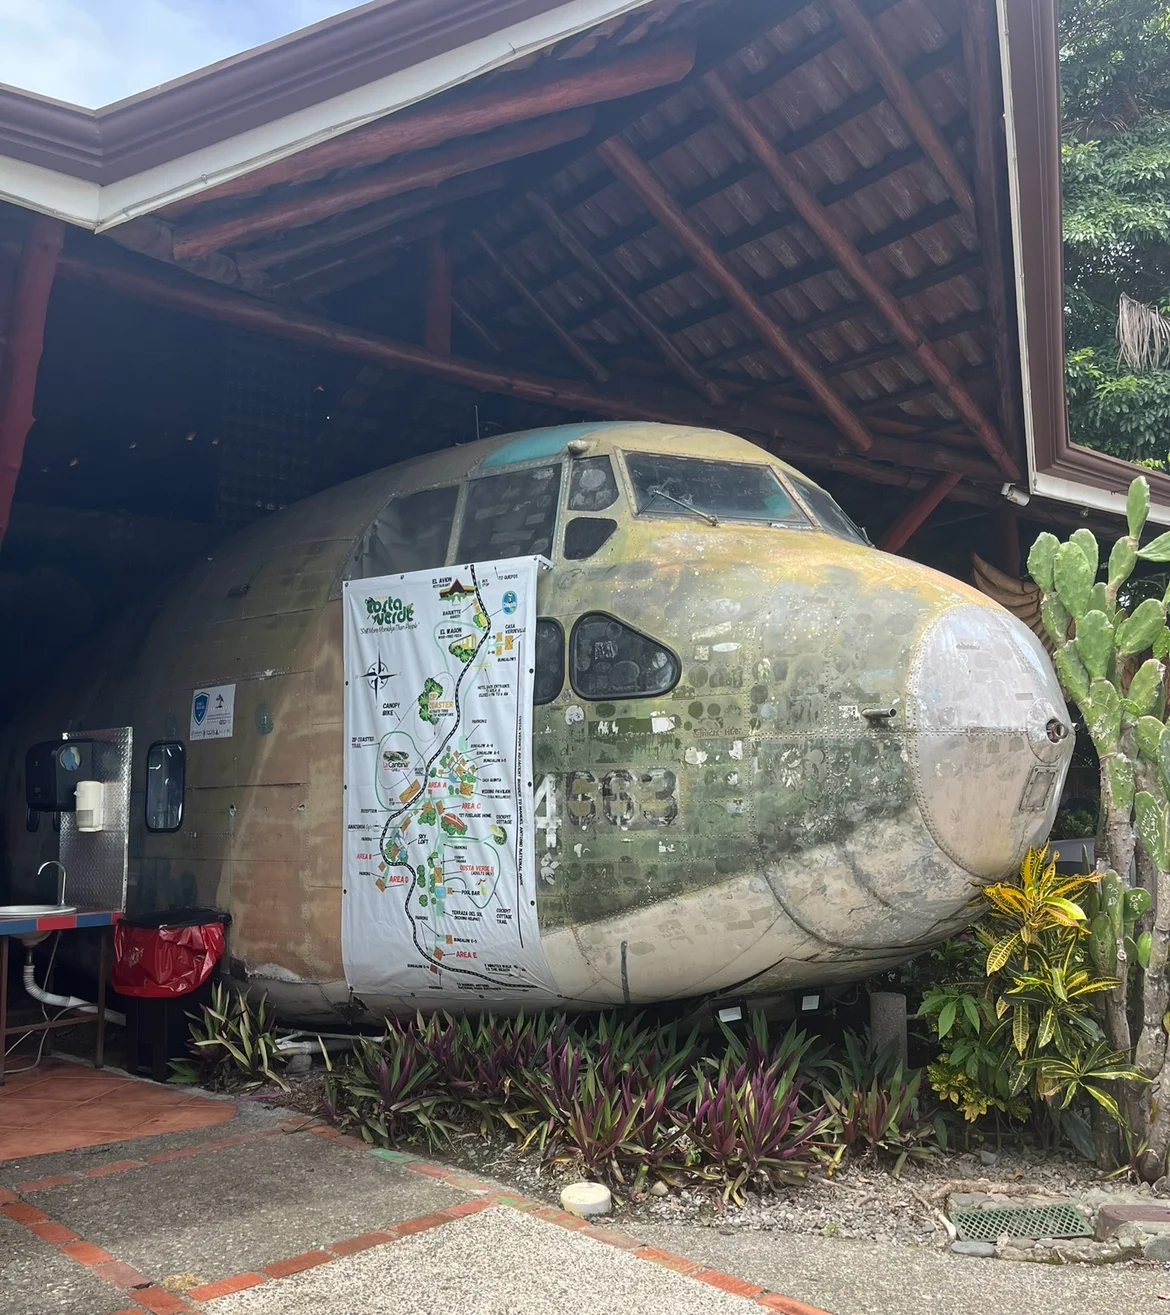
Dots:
(232, 1044)
(1019, 1031)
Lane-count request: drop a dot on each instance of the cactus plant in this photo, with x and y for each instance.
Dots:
(1111, 663)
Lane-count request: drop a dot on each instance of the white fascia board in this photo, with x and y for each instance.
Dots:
(97, 207)
(1013, 170)
(203, 169)
(49, 192)
(1086, 495)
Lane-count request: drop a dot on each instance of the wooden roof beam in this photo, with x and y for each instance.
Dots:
(742, 118)
(299, 209)
(581, 354)
(309, 243)
(913, 518)
(356, 261)
(568, 237)
(903, 95)
(582, 83)
(626, 164)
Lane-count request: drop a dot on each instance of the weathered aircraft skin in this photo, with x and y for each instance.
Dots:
(749, 832)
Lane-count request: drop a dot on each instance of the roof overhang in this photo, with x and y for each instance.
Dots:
(99, 168)
(1057, 468)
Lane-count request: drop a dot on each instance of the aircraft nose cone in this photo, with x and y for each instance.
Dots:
(990, 740)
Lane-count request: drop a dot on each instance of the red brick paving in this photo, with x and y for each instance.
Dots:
(224, 1287)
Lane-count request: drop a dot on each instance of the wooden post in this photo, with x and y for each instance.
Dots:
(511, 275)
(564, 232)
(1006, 531)
(626, 164)
(26, 337)
(437, 332)
(904, 97)
(910, 521)
(804, 201)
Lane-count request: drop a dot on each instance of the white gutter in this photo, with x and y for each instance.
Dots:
(98, 207)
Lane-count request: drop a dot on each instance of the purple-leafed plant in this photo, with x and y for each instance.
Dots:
(387, 1091)
(748, 1126)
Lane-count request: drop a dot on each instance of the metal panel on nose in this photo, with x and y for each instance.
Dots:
(990, 742)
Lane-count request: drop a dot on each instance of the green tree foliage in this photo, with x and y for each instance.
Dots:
(1115, 85)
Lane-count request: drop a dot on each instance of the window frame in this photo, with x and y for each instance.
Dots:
(460, 487)
(554, 621)
(810, 521)
(516, 466)
(611, 697)
(165, 830)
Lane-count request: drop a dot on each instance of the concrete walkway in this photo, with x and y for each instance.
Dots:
(268, 1214)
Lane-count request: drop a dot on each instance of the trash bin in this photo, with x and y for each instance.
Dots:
(163, 963)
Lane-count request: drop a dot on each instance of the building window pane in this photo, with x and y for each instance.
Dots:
(611, 660)
(592, 486)
(585, 534)
(410, 533)
(166, 772)
(550, 661)
(512, 514)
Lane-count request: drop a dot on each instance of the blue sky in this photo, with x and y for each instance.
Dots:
(92, 52)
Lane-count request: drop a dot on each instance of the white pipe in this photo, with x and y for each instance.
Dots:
(312, 1047)
(66, 1001)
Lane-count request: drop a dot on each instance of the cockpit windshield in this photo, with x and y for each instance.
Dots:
(731, 490)
(831, 517)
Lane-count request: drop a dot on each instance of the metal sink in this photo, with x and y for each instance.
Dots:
(35, 910)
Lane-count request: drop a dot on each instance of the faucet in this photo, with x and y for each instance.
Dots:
(52, 862)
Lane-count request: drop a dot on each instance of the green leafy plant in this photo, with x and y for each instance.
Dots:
(232, 1044)
(873, 1108)
(1111, 645)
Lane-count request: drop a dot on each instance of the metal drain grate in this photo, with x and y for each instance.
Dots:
(1034, 1221)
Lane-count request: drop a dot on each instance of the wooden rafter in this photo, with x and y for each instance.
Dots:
(476, 326)
(301, 208)
(904, 97)
(25, 334)
(579, 352)
(744, 121)
(588, 82)
(625, 163)
(808, 439)
(911, 520)
(359, 261)
(321, 240)
(569, 238)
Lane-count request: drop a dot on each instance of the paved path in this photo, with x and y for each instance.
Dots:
(850, 1277)
(271, 1215)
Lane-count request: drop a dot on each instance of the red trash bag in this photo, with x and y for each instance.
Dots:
(160, 962)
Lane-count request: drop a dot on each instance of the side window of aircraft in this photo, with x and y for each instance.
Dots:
(735, 490)
(550, 661)
(832, 518)
(585, 534)
(512, 514)
(592, 486)
(611, 660)
(410, 533)
(166, 779)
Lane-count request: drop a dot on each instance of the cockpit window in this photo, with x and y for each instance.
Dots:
(832, 518)
(511, 514)
(611, 660)
(410, 533)
(592, 486)
(734, 490)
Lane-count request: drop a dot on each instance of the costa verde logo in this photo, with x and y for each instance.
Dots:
(389, 611)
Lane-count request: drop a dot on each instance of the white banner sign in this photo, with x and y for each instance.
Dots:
(439, 890)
